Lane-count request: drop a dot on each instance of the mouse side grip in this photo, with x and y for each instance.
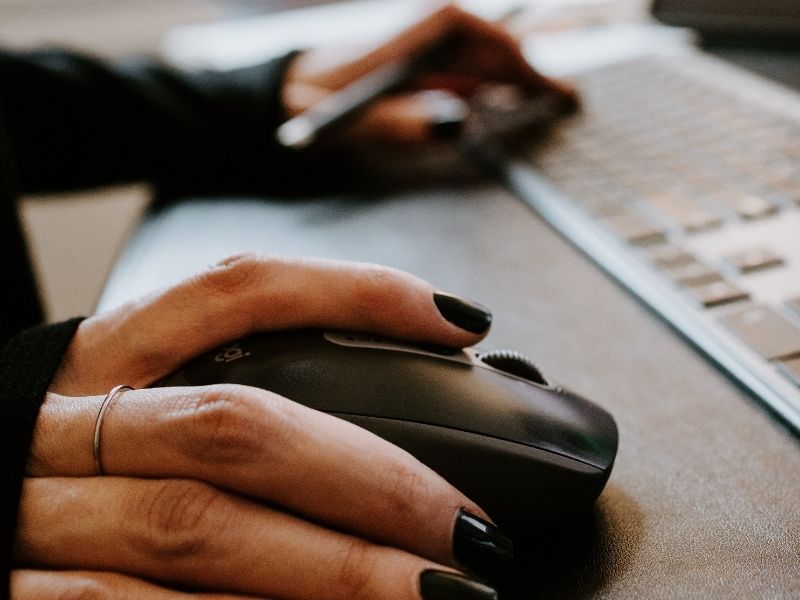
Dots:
(524, 489)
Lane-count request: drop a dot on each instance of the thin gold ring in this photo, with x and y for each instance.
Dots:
(98, 465)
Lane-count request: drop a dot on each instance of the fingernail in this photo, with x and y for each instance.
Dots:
(442, 585)
(449, 113)
(479, 547)
(468, 315)
(228, 260)
(446, 127)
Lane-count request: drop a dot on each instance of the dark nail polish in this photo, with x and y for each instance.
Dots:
(468, 315)
(479, 547)
(442, 585)
(447, 128)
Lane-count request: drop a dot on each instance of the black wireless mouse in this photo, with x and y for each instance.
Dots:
(531, 453)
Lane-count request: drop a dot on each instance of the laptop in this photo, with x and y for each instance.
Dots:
(680, 177)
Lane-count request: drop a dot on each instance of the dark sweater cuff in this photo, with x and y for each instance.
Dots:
(28, 364)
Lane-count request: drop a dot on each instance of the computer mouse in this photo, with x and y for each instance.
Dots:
(531, 453)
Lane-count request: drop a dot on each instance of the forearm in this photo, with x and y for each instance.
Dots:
(76, 121)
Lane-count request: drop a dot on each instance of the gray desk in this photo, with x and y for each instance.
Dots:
(704, 500)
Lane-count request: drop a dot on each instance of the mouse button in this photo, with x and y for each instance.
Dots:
(416, 388)
(375, 342)
(523, 488)
(303, 367)
(361, 381)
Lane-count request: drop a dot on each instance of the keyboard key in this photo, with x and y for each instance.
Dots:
(717, 293)
(635, 229)
(694, 274)
(766, 331)
(791, 368)
(669, 255)
(747, 206)
(755, 259)
(689, 215)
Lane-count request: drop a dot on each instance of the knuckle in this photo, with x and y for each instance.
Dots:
(378, 290)
(405, 490)
(176, 519)
(356, 571)
(84, 588)
(222, 425)
(231, 276)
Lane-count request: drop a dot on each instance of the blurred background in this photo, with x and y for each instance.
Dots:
(76, 238)
(118, 27)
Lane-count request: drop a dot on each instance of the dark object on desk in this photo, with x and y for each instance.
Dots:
(753, 23)
(529, 452)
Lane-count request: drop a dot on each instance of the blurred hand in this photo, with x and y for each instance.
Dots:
(436, 101)
(230, 491)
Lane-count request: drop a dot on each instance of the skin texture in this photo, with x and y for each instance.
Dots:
(232, 492)
(228, 488)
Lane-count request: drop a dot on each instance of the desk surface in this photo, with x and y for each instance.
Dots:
(704, 499)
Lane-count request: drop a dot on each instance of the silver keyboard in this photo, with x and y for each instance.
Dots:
(680, 176)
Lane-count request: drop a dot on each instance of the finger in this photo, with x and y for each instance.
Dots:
(145, 340)
(486, 49)
(334, 71)
(185, 533)
(29, 584)
(441, 114)
(261, 445)
(410, 118)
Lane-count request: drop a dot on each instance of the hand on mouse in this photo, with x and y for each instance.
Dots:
(434, 105)
(229, 491)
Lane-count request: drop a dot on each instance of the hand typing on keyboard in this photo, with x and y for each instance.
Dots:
(435, 103)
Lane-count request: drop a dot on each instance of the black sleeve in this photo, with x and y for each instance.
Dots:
(74, 121)
(77, 121)
(28, 363)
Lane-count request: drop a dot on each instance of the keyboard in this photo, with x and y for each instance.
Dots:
(680, 176)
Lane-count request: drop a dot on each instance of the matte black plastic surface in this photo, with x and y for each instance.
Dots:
(530, 454)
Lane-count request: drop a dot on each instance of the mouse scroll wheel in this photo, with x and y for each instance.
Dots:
(514, 363)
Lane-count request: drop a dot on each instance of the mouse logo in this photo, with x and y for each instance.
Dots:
(230, 354)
